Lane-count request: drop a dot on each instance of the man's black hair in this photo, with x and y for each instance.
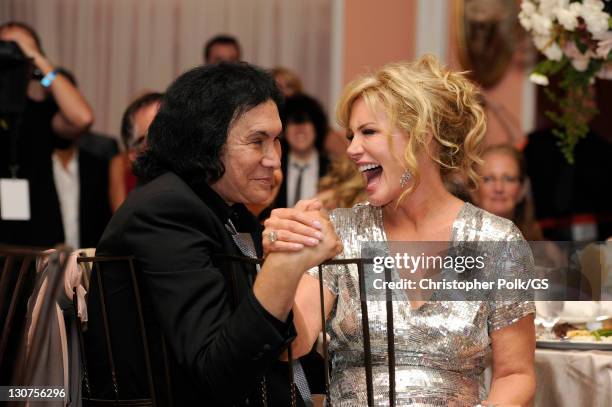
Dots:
(127, 121)
(190, 130)
(305, 109)
(222, 39)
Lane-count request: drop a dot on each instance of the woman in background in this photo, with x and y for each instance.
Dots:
(503, 190)
(343, 186)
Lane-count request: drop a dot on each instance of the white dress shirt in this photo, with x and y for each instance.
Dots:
(310, 177)
(68, 193)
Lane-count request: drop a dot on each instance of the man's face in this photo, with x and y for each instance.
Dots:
(300, 137)
(250, 156)
(141, 122)
(223, 52)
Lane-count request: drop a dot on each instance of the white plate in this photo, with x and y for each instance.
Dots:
(568, 344)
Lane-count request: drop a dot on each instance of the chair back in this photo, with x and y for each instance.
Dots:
(21, 273)
(96, 264)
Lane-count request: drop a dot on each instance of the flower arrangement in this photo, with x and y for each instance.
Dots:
(575, 38)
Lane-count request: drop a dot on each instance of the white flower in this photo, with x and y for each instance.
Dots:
(528, 7)
(581, 64)
(538, 79)
(541, 25)
(553, 52)
(595, 19)
(575, 8)
(604, 45)
(580, 61)
(594, 4)
(542, 41)
(547, 7)
(567, 18)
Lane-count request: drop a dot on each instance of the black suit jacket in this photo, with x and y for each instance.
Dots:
(281, 198)
(218, 349)
(45, 228)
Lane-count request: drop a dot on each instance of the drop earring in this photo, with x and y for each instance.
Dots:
(405, 179)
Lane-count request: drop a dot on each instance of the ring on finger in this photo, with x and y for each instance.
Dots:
(272, 236)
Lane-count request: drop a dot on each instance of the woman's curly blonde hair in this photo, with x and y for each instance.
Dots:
(425, 99)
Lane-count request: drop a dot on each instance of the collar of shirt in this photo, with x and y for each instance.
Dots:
(293, 160)
(241, 218)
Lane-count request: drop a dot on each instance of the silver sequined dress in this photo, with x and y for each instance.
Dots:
(441, 348)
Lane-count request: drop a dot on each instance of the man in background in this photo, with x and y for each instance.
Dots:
(222, 48)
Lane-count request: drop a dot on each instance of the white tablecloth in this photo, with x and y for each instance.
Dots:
(573, 378)
(570, 378)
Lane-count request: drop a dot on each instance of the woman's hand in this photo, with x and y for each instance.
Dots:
(292, 229)
(305, 234)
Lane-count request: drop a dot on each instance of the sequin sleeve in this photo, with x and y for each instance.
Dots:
(330, 277)
(352, 225)
(515, 263)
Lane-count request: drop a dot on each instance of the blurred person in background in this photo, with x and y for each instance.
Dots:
(303, 161)
(287, 81)
(78, 202)
(343, 185)
(55, 114)
(222, 48)
(504, 190)
(135, 123)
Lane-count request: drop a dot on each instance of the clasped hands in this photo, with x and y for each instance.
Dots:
(303, 232)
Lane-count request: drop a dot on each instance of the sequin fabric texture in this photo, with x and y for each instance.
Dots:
(441, 348)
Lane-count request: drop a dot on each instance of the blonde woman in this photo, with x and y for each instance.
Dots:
(409, 124)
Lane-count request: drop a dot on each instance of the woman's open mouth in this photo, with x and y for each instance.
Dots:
(372, 173)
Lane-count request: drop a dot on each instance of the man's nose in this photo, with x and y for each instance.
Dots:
(272, 158)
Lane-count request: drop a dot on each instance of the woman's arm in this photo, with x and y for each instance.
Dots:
(513, 364)
(296, 232)
(307, 314)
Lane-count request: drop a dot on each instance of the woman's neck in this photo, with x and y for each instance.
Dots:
(425, 214)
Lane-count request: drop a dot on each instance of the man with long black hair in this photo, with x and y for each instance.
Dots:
(212, 147)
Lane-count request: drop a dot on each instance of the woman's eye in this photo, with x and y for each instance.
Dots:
(368, 132)
(350, 137)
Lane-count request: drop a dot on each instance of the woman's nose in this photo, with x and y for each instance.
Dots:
(355, 149)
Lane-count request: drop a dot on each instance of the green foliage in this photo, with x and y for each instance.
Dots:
(575, 101)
